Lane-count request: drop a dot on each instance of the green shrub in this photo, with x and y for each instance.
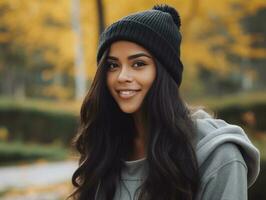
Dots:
(39, 121)
(41, 125)
(232, 108)
(234, 114)
(15, 152)
(31, 125)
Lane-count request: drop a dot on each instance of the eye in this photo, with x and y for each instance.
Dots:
(111, 65)
(138, 64)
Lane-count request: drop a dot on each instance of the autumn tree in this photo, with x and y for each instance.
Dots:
(223, 46)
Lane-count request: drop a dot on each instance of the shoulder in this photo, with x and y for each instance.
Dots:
(225, 153)
(220, 143)
(224, 174)
(217, 137)
(225, 156)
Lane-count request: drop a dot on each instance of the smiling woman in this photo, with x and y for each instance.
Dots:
(131, 72)
(137, 139)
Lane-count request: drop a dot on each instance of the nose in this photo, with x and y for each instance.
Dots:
(124, 75)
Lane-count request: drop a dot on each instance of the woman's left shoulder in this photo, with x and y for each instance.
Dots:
(225, 155)
(223, 143)
(224, 174)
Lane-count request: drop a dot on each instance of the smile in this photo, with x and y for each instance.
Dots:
(125, 94)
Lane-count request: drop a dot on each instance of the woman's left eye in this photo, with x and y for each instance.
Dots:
(139, 64)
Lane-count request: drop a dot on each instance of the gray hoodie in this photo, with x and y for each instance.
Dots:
(228, 163)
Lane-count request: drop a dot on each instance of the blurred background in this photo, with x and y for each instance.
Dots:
(48, 60)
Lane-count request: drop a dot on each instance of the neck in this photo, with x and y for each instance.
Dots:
(140, 125)
(139, 150)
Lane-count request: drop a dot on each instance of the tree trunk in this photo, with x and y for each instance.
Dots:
(80, 79)
(101, 21)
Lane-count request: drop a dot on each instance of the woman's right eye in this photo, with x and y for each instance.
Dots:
(111, 65)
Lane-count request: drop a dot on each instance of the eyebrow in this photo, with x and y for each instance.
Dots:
(131, 56)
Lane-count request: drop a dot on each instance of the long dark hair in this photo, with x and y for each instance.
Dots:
(106, 134)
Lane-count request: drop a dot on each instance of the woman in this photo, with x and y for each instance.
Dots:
(137, 138)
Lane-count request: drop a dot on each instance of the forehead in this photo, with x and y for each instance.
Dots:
(119, 48)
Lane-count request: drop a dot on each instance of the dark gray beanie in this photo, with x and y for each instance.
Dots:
(157, 30)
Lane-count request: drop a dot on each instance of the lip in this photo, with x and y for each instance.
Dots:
(127, 93)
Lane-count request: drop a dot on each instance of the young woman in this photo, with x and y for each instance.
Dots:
(138, 139)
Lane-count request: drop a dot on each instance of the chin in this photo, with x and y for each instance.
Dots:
(128, 110)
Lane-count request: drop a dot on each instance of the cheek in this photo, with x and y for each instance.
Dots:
(147, 79)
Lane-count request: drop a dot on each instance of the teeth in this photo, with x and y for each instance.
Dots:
(127, 93)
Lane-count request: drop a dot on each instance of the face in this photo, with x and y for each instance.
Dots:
(131, 72)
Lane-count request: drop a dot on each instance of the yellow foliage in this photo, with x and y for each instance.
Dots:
(254, 5)
(56, 91)
(46, 25)
(47, 75)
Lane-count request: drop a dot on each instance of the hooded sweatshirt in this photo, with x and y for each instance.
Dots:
(228, 163)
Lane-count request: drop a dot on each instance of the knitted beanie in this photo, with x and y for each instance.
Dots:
(157, 30)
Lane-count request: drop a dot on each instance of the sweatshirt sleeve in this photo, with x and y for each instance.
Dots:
(227, 178)
(228, 183)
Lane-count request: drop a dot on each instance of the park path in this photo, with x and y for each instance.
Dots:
(39, 174)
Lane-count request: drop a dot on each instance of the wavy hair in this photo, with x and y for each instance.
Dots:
(105, 140)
